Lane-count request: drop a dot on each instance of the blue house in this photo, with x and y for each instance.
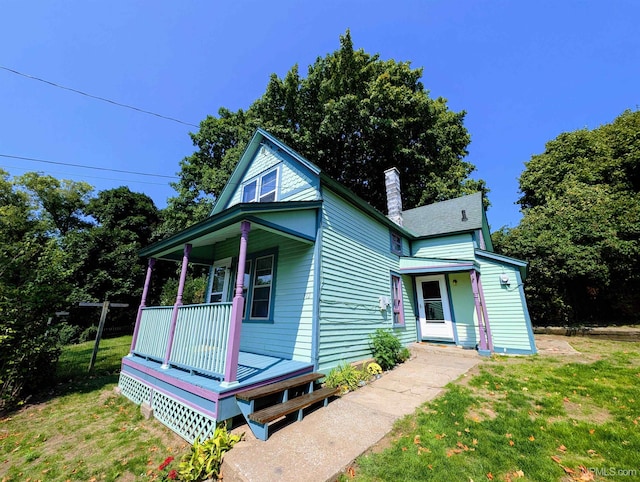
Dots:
(302, 271)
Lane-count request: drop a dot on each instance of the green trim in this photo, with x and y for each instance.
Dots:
(224, 219)
(518, 263)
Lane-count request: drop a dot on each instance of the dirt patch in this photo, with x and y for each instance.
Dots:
(583, 412)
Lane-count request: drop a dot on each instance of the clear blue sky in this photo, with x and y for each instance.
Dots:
(524, 71)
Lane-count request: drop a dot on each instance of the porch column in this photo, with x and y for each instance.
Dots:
(178, 304)
(479, 313)
(235, 328)
(487, 325)
(143, 303)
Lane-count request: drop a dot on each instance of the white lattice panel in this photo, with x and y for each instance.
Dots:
(183, 420)
(133, 389)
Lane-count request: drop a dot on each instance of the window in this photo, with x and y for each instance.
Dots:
(396, 243)
(259, 285)
(261, 289)
(263, 189)
(396, 296)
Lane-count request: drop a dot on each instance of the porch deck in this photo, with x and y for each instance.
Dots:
(190, 403)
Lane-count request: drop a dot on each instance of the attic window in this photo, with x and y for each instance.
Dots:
(261, 189)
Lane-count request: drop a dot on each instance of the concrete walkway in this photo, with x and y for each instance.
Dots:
(326, 441)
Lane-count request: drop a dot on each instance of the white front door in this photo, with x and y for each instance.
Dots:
(433, 308)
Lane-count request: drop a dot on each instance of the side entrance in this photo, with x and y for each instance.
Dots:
(433, 308)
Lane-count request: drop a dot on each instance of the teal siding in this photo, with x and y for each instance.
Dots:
(290, 334)
(457, 246)
(507, 317)
(294, 183)
(356, 270)
(463, 309)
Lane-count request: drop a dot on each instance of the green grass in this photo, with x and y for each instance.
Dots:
(511, 417)
(84, 431)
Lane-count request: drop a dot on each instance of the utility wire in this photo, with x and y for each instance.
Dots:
(83, 177)
(87, 167)
(98, 98)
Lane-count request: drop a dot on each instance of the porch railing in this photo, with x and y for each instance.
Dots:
(153, 334)
(200, 341)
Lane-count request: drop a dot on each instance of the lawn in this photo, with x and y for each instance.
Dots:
(527, 418)
(82, 430)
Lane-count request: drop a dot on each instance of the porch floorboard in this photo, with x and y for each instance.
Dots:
(253, 370)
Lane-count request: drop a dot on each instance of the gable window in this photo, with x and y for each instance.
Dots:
(262, 189)
(396, 243)
(396, 297)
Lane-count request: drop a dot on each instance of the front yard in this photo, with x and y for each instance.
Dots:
(540, 418)
(564, 417)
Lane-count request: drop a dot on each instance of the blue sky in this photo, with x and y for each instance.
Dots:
(523, 71)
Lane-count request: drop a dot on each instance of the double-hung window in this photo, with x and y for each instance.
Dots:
(396, 243)
(262, 189)
(259, 285)
(396, 297)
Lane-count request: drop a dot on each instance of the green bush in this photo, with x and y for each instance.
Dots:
(89, 334)
(346, 377)
(67, 334)
(386, 348)
(205, 458)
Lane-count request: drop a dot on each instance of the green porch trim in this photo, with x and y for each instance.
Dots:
(226, 219)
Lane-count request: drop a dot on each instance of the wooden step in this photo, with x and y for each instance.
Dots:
(274, 412)
(278, 387)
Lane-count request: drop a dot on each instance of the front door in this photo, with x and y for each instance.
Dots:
(219, 277)
(433, 308)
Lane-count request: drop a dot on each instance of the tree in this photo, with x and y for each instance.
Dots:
(33, 284)
(580, 229)
(354, 115)
(61, 202)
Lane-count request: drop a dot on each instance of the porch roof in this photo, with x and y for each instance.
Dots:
(293, 219)
(412, 265)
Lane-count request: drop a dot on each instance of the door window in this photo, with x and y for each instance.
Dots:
(432, 297)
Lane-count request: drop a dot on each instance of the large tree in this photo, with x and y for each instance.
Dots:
(354, 115)
(580, 229)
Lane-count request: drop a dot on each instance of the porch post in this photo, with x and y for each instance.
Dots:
(476, 299)
(487, 325)
(233, 345)
(178, 304)
(143, 303)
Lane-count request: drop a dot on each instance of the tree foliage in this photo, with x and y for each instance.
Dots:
(354, 115)
(581, 226)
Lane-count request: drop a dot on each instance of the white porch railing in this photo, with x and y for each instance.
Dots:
(200, 341)
(153, 334)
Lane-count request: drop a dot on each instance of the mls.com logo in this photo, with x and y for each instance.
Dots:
(613, 472)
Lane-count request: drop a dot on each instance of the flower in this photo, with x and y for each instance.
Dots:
(172, 475)
(374, 369)
(166, 462)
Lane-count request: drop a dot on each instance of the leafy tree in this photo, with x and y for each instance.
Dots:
(581, 226)
(61, 202)
(33, 284)
(354, 115)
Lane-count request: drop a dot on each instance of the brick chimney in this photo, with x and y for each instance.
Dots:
(394, 198)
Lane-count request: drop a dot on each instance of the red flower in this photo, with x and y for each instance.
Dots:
(166, 462)
(173, 475)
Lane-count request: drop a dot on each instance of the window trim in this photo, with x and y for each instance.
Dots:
(397, 302)
(258, 180)
(248, 300)
(226, 289)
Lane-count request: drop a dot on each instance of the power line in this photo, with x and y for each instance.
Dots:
(87, 167)
(97, 97)
(125, 181)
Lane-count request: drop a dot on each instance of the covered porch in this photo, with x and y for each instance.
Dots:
(450, 302)
(185, 362)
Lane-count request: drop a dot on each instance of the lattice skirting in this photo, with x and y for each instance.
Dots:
(182, 419)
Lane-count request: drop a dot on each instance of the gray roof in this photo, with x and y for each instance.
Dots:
(445, 216)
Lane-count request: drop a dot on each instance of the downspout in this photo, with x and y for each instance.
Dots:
(177, 305)
(235, 328)
(143, 303)
(317, 284)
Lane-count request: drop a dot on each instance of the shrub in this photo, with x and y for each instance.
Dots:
(67, 334)
(89, 334)
(386, 348)
(346, 376)
(205, 458)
